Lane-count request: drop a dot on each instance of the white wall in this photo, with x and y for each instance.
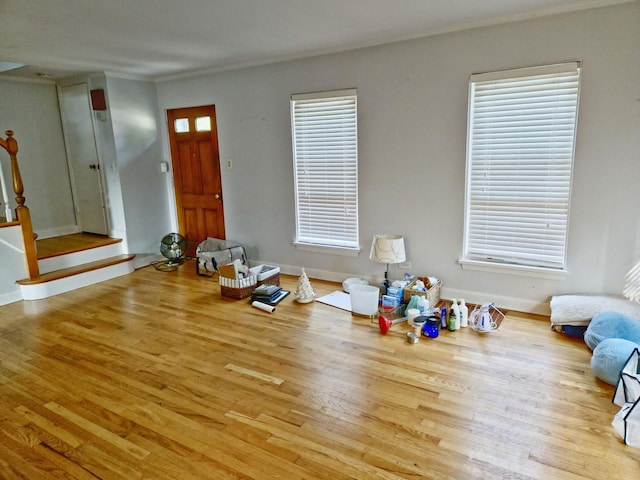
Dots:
(105, 143)
(31, 110)
(129, 146)
(143, 189)
(412, 99)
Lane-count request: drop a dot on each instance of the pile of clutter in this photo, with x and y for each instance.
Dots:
(401, 291)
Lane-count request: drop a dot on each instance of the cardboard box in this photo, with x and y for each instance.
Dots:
(397, 292)
(390, 301)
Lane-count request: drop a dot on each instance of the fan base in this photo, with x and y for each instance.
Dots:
(172, 262)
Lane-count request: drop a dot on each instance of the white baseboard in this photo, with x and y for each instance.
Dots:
(500, 301)
(540, 307)
(11, 297)
(57, 232)
(313, 272)
(146, 259)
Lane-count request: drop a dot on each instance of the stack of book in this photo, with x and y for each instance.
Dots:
(269, 294)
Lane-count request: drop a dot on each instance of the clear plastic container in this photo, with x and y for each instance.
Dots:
(364, 299)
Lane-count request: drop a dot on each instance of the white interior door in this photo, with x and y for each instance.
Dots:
(84, 163)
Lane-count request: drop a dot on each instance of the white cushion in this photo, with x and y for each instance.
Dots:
(578, 310)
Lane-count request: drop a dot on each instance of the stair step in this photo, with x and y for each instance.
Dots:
(76, 270)
(79, 242)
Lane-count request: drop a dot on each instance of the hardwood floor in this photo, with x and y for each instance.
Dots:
(155, 375)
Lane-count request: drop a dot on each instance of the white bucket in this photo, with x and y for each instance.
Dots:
(364, 299)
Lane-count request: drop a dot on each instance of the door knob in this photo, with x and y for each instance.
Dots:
(217, 196)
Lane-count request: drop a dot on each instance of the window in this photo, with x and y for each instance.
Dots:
(325, 157)
(520, 148)
(181, 125)
(203, 124)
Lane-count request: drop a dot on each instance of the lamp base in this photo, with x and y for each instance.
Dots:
(385, 285)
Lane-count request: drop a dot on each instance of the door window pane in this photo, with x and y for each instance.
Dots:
(203, 124)
(181, 125)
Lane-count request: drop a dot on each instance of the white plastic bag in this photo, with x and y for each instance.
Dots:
(627, 395)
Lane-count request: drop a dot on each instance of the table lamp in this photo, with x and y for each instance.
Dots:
(387, 249)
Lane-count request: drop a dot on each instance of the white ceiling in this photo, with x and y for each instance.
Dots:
(164, 38)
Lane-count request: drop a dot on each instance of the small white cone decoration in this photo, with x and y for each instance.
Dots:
(304, 292)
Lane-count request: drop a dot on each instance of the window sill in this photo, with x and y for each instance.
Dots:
(343, 251)
(525, 271)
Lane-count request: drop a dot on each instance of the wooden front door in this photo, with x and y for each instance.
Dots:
(196, 172)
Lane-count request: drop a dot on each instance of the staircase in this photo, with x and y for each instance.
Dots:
(77, 268)
(62, 271)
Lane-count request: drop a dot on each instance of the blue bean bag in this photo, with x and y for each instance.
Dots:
(612, 336)
(612, 325)
(609, 356)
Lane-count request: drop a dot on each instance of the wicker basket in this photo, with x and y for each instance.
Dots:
(273, 280)
(432, 294)
(238, 288)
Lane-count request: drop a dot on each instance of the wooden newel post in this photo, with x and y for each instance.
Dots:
(12, 148)
(22, 211)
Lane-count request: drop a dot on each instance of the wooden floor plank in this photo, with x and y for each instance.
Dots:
(155, 375)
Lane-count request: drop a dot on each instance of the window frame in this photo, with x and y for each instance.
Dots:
(305, 153)
(552, 266)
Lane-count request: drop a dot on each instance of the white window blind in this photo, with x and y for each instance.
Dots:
(325, 153)
(520, 149)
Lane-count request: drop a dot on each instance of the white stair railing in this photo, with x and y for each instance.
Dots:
(5, 197)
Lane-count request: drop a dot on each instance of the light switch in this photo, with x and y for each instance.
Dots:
(164, 167)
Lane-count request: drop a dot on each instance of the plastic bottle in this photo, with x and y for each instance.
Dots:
(464, 314)
(456, 313)
(411, 314)
(423, 305)
(443, 318)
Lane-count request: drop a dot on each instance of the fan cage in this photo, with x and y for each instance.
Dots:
(173, 247)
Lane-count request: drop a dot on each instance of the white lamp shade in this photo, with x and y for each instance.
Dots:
(387, 249)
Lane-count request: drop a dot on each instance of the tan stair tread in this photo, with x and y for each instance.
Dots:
(83, 268)
(76, 242)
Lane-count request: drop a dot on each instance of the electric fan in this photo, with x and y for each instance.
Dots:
(173, 247)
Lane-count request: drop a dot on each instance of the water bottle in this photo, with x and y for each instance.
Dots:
(464, 314)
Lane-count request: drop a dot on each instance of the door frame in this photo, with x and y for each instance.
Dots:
(72, 176)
